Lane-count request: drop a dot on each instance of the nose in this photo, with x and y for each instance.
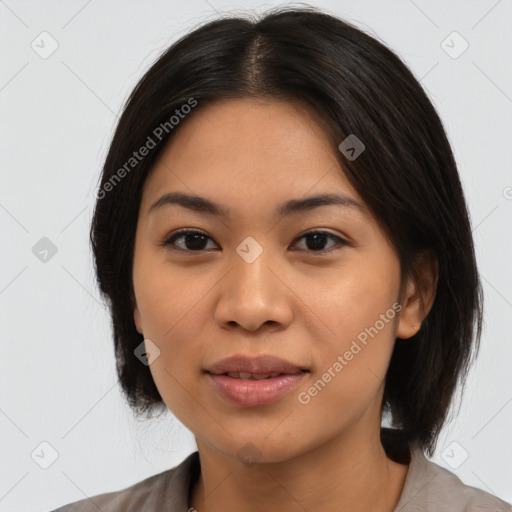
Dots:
(253, 294)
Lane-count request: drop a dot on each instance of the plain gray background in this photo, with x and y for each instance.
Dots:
(57, 374)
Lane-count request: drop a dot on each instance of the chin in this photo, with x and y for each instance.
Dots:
(252, 449)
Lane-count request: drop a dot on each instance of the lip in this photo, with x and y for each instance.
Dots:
(254, 364)
(250, 392)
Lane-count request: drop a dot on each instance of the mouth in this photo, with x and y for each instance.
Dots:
(241, 366)
(253, 381)
(256, 376)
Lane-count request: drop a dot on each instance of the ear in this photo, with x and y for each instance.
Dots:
(413, 312)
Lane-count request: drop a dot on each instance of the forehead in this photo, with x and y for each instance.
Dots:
(250, 151)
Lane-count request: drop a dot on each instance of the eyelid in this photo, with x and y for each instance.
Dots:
(166, 243)
(341, 242)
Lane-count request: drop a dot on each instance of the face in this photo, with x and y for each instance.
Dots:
(317, 287)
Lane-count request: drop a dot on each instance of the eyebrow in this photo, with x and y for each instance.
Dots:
(286, 209)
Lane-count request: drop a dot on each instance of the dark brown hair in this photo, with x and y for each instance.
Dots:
(406, 175)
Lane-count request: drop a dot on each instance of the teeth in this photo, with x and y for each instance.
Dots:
(260, 376)
(251, 376)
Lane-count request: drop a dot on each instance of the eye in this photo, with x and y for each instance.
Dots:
(317, 240)
(194, 241)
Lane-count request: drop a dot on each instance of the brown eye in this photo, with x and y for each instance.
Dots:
(193, 241)
(316, 240)
(196, 241)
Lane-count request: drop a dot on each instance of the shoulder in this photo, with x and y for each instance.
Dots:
(166, 489)
(429, 486)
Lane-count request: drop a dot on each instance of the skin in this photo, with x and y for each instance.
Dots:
(199, 307)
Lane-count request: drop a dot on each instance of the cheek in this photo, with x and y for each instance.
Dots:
(168, 304)
(353, 358)
(356, 301)
(349, 379)
(172, 319)
(166, 294)
(170, 307)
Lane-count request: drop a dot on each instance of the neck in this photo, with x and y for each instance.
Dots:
(350, 472)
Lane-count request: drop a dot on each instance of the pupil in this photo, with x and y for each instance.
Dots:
(319, 238)
(198, 241)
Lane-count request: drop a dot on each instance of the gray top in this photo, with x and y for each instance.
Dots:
(428, 487)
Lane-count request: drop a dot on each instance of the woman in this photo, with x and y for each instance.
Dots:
(283, 239)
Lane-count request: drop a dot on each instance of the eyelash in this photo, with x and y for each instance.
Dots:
(169, 241)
